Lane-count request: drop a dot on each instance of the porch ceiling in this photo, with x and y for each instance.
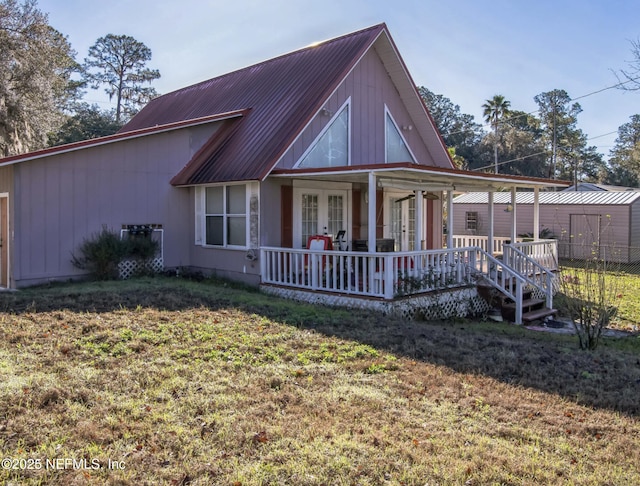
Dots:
(418, 177)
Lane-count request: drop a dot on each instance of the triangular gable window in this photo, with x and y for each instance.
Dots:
(331, 148)
(397, 150)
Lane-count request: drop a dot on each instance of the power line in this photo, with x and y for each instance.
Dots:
(515, 117)
(517, 159)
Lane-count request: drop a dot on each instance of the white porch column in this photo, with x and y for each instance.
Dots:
(536, 214)
(449, 218)
(371, 217)
(419, 221)
(490, 229)
(514, 232)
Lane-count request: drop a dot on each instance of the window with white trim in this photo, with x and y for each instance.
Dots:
(397, 150)
(331, 148)
(224, 216)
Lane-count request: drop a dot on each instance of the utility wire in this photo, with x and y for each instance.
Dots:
(515, 117)
(517, 159)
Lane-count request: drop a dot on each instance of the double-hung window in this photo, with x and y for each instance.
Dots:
(225, 215)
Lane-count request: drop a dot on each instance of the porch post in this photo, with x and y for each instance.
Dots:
(490, 229)
(536, 214)
(514, 232)
(450, 219)
(419, 221)
(371, 223)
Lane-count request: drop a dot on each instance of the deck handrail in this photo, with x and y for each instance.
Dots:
(390, 274)
(544, 252)
(535, 274)
(502, 277)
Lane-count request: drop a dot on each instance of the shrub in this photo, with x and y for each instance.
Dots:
(588, 297)
(100, 254)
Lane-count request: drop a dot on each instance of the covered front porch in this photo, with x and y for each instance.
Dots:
(508, 265)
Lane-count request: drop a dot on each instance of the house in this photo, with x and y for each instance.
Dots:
(587, 223)
(240, 172)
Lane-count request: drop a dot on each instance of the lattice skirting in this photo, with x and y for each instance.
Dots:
(446, 304)
(131, 268)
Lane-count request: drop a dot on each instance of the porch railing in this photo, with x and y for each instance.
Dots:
(465, 241)
(390, 275)
(385, 275)
(544, 252)
(536, 275)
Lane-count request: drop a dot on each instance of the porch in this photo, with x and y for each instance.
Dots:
(389, 276)
(409, 205)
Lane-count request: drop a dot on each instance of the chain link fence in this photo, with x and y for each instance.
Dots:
(622, 267)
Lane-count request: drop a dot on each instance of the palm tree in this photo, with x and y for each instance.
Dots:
(494, 110)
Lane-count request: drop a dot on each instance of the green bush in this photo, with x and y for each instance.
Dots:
(101, 253)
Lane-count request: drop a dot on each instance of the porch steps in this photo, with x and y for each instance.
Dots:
(532, 309)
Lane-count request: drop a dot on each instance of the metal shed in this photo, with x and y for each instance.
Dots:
(586, 223)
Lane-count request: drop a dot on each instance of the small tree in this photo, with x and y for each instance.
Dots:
(119, 62)
(589, 293)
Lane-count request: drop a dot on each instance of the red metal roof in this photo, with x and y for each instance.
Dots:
(282, 95)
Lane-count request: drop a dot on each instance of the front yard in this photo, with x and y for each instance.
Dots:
(169, 381)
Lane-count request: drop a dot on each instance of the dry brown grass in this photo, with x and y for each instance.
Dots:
(200, 383)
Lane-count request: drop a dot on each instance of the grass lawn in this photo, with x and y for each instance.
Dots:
(169, 381)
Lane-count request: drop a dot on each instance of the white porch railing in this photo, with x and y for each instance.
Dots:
(390, 275)
(465, 241)
(545, 252)
(385, 275)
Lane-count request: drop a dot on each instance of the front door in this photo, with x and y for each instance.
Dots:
(319, 212)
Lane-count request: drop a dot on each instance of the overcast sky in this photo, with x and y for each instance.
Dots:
(466, 50)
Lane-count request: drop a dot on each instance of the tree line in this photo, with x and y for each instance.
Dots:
(42, 83)
(546, 143)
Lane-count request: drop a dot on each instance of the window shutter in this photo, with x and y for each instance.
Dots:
(286, 216)
(356, 216)
(199, 205)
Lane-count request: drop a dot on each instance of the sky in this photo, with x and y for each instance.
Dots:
(466, 50)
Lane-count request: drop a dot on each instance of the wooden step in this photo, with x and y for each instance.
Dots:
(538, 314)
(526, 304)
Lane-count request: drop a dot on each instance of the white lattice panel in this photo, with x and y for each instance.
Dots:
(131, 268)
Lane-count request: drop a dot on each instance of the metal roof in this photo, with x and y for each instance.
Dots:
(281, 96)
(117, 137)
(554, 198)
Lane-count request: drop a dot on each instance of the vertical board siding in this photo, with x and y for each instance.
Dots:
(615, 230)
(370, 89)
(63, 199)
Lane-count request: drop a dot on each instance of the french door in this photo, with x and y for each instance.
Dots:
(402, 219)
(319, 212)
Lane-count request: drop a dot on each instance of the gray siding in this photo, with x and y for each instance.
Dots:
(62, 199)
(614, 221)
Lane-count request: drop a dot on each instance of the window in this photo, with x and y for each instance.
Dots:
(331, 148)
(397, 150)
(471, 221)
(225, 215)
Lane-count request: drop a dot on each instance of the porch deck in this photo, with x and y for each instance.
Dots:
(392, 275)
